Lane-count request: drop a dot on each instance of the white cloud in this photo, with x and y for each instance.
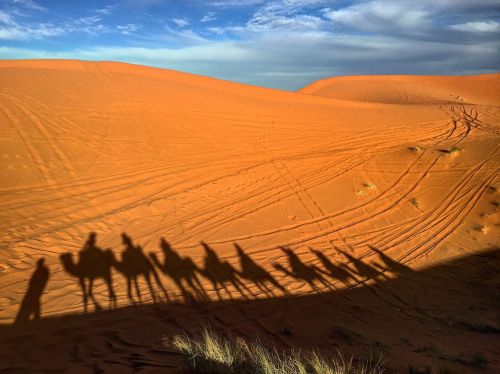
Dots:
(38, 31)
(107, 10)
(6, 18)
(382, 16)
(181, 22)
(210, 16)
(477, 26)
(129, 28)
(30, 4)
(11, 29)
(235, 3)
(263, 22)
(91, 20)
(278, 15)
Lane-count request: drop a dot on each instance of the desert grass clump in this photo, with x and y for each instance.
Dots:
(416, 149)
(209, 352)
(483, 229)
(367, 187)
(414, 201)
(452, 151)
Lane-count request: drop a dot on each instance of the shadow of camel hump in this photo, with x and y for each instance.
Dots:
(135, 263)
(31, 304)
(93, 263)
(182, 270)
(256, 274)
(221, 273)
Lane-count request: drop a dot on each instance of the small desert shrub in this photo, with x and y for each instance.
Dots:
(483, 229)
(209, 352)
(415, 202)
(369, 186)
(415, 149)
(454, 149)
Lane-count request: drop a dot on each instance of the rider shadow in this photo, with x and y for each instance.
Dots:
(181, 270)
(301, 271)
(93, 263)
(31, 306)
(134, 263)
(256, 274)
(221, 273)
(333, 271)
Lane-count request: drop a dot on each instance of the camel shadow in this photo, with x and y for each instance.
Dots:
(93, 263)
(362, 269)
(31, 305)
(134, 263)
(221, 273)
(392, 265)
(333, 271)
(256, 274)
(182, 270)
(301, 271)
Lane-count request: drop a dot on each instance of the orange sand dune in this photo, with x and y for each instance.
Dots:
(408, 89)
(340, 185)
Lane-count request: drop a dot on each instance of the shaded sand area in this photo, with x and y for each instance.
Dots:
(360, 213)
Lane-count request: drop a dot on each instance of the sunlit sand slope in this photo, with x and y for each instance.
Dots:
(407, 89)
(347, 167)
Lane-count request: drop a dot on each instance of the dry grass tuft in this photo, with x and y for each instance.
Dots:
(209, 352)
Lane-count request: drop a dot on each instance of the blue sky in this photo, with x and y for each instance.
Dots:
(281, 43)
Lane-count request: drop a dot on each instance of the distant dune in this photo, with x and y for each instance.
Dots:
(409, 89)
(351, 183)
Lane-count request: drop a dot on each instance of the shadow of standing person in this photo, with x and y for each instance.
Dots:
(31, 304)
